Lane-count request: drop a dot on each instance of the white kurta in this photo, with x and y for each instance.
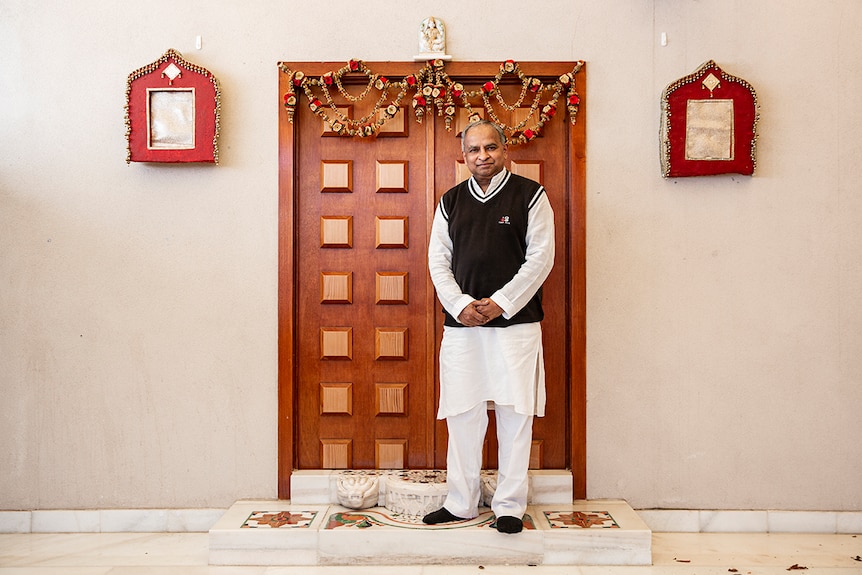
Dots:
(503, 365)
(499, 364)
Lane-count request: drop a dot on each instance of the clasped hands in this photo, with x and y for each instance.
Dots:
(480, 312)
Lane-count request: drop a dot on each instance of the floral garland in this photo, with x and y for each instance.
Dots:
(369, 124)
(433, 90)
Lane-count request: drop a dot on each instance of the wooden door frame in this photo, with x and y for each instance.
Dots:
(575, 254)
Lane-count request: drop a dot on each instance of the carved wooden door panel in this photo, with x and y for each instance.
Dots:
(359, 325)
(364, 379)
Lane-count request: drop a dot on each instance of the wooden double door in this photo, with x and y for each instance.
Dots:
(359, 324)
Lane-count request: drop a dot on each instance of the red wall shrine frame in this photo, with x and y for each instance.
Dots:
(172, 112)
(708, 124)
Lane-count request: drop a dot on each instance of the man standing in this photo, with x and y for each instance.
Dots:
(491, 249)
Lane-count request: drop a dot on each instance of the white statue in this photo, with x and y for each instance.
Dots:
(432, 36)
(432, 40)
(415, 493)
(358, 490)
(489, 487)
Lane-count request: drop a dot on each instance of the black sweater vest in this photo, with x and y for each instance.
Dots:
(489, 242)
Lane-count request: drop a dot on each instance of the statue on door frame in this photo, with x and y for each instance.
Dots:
(432, 40)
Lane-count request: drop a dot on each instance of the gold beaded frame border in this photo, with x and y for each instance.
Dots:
(174, 55)
(693, 77)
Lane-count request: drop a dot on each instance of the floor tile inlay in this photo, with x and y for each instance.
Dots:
(584, 520)
(279, 519)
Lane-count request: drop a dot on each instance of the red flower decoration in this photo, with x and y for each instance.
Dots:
(411, 80)
(419, 101)
(298, 78)
(327, 79)
(354, 65)
(574, 100)
(549, 110)
(488, 87)
(529, 134)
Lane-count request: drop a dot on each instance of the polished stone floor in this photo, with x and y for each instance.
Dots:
(187, 554)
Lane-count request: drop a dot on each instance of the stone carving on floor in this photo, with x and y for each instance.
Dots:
(358, 489)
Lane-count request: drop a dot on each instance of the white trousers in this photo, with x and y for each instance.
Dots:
(464, 461)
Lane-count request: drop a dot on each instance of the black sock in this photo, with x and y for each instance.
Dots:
(442, 515)
(508, 524)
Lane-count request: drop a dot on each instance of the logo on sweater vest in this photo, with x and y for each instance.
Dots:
(504, 220)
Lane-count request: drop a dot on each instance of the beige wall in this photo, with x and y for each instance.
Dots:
(138, 303)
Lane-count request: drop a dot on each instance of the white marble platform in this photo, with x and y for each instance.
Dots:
(603, 532)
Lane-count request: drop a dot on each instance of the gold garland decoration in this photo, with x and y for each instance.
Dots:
(432, 89)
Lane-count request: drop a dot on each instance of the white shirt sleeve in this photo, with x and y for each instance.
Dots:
(513, 296)
(440, 267)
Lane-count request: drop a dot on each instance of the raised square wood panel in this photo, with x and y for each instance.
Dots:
(462, 119)
(336, 398)
(462, 172)
(336, 231)
(391, 288)
(390, 343)
(397, 127)
(336, 343)
(529, 169)
(391, 231)
(525, 117)
(391, 398)
(327, 131)
(336, 176)
(336, 287)
(336, 453)
(391, 453)
(391, 176)
(536, 454)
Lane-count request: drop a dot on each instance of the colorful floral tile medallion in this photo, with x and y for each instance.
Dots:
(581, 519)
(279, 519)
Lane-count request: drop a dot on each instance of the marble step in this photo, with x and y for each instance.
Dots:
(321, 486)
(272, 532)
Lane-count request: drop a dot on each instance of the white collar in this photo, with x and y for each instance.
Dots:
(496, 184)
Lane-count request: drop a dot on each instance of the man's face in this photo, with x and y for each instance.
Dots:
(484, 154)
